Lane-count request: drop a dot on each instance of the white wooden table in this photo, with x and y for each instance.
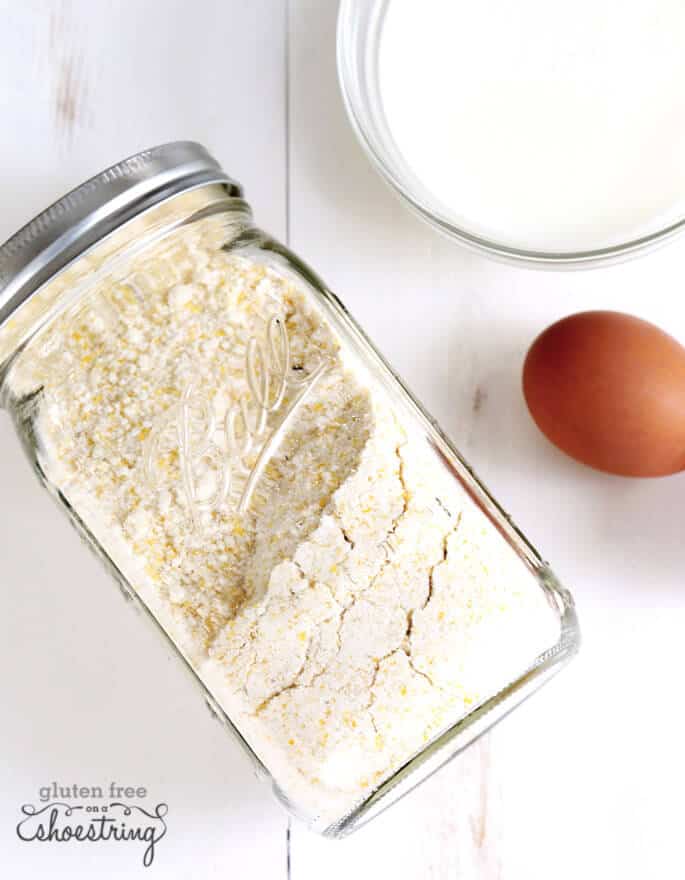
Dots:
(584, 780)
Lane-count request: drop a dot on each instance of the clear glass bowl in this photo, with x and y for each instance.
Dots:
(360, 26)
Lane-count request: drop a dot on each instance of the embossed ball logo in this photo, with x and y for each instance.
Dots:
(189, 428)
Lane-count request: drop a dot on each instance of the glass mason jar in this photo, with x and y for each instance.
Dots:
(354, 604)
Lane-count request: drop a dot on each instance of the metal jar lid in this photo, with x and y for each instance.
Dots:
(88, 214)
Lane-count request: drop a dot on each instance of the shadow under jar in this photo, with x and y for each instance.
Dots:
(354, 604)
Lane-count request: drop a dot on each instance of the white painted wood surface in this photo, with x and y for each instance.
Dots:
(586, 778)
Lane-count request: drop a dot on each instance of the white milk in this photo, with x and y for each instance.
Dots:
(538, 123)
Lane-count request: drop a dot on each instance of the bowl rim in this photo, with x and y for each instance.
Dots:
(347, 36)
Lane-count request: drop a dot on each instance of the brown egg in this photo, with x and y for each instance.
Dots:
(609, 390)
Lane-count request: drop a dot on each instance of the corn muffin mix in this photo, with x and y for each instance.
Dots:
(298, 538)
